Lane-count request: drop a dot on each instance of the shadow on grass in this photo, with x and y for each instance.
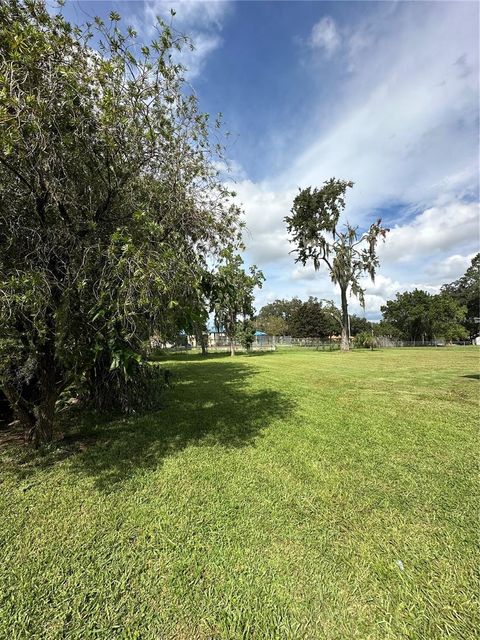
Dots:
(472, 376)
(188, 356)
(211, 404)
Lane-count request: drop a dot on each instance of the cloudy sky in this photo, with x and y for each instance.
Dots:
(382, 93)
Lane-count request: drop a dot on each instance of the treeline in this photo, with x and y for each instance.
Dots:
(413, 315)
(310, 319)
(417, 315)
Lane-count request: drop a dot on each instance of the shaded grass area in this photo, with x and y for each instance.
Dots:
(279, 495)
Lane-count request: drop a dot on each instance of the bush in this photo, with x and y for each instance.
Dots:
(365, 340)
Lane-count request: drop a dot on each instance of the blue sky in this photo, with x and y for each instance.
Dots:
(382, 93)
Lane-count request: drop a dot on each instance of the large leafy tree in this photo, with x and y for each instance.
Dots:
(420, 316)
(232, 295)
(466, 290)
(447, 316)
(273, 325)
(110, 204)
(410, 314)
(275, 317)
(311, 320)
(348, 255)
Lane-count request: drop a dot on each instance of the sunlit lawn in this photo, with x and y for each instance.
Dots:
(285, 495)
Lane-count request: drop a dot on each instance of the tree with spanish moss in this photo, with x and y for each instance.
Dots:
(347, 254)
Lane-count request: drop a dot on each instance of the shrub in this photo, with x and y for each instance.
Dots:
(365, 340)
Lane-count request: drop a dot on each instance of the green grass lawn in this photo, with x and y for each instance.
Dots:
(295, 494)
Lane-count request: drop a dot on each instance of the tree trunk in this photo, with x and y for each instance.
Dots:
(345, 342)
(201, 340)
(42, 430)
(20, 408)
(232, 346)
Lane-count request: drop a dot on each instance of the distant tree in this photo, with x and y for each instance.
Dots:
(281, 309)
(409, 313)
(273, 325)
(311, 320)
(385, 329)
(359, 325)
(447, 316)
(246, 334)
(314, 228)
(232, 294)
(466, 291)
(420, 316)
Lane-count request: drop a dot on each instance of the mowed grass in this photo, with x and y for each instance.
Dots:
(295, 494)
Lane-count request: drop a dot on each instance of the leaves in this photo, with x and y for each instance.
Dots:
(314, 229)
(232, 292)
(110, 207)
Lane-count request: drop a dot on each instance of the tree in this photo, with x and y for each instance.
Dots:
(420, 316)
(386, 330)
(282, 310)
(447, 316)
(246, 334)
(232, 294)
(466, 291)
(110, 204)
(273, 325)
(359, 325)
(314, 227)
(310, 320)
(410, 314)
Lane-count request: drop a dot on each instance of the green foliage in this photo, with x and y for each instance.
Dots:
(314, 227)
(359, 325)
(419, 316)
(272, 325)
(275, 317)
(304, 319)
(141, 390)
(365, 340)
(385, 329)
(232, 294)
(246, 334)
(466, 291)
(409, 313)
(311, 320)
(447, 316)
(110, 204)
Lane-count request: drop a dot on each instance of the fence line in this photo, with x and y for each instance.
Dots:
(270, 343)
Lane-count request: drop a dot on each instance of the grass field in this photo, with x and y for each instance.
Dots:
(285, 495)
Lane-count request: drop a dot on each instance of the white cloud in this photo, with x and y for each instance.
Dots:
(325, 36)
(450, 268)
(307, 272)
(199, 14)
(403, 125)
(266, 235)
(434, 231)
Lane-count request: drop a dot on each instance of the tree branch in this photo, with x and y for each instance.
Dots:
(17, 173)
